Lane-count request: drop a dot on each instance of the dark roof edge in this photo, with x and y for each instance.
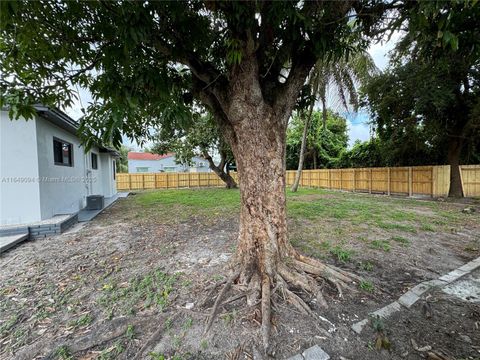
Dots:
(58, 118)
(65, 122)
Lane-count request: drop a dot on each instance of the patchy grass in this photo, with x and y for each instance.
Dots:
(395, 226)
(63, 353)
(82, 321)
(179, 205)
(400, 239)
(380, 244)
(427, 227)
(342, 254)
(139, 293)
(367, 265)
(367, 286)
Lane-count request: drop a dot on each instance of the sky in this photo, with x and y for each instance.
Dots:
(358, 128)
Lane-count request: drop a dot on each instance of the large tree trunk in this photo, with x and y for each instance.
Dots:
(260, 154)
(453, 157)
(264, 259)
(220, 171)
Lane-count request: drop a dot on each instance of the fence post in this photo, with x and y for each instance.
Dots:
(432, 192)
(329, 179)
(189, 179)
(143, 181)
(388, 180)
(129, 182)
(208, 179)
(167, 179)
(354, 181)
(410, 180)
(370, 182)
(461, 179)
(178, 180)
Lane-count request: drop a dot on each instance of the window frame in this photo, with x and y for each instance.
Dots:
(92, 156)
(70, 147)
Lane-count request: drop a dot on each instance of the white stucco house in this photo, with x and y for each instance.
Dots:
(144, 162)
(45, 171)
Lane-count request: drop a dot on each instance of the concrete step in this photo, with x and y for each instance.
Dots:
(8, 241)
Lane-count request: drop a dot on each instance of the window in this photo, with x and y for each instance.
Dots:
(142, 169)
(169, 168)
(62, 152)
(94, 161)
(201, 164)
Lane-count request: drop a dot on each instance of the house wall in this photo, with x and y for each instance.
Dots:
(198, 160)
(165, 164)
(106, 178)
(64, 188)
(66, 192)
(94, 175)
(19, 185)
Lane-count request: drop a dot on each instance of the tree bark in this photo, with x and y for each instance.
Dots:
(259, 154)
(453, 157)
(220, 171)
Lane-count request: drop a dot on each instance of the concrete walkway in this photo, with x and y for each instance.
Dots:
(12, 235)
(463, 282)
(448, 282)
(88, 215)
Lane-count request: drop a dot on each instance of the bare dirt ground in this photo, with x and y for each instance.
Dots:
(138, 281)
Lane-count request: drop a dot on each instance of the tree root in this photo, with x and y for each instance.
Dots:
(266, 310)
(299, 273)
(226, 287)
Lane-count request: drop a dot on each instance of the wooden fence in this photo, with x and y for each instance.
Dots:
(168, 180)
(470, 180)
(415, 180)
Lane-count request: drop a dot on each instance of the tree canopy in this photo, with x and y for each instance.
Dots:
(429, 97)
(146, 62)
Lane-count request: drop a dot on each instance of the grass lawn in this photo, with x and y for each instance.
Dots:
(104, 289)
(321, 222)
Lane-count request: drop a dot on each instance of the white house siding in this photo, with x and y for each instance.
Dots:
(94, 175)
(32, 187)
(106, 178)
(64, 188)
(166, 164)
(19, 186)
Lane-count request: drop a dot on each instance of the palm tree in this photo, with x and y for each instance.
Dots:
(344, 77)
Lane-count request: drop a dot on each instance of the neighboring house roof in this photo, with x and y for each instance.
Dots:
(147, 156)
(66, 123)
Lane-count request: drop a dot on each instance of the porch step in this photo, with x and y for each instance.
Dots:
(9, 241)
